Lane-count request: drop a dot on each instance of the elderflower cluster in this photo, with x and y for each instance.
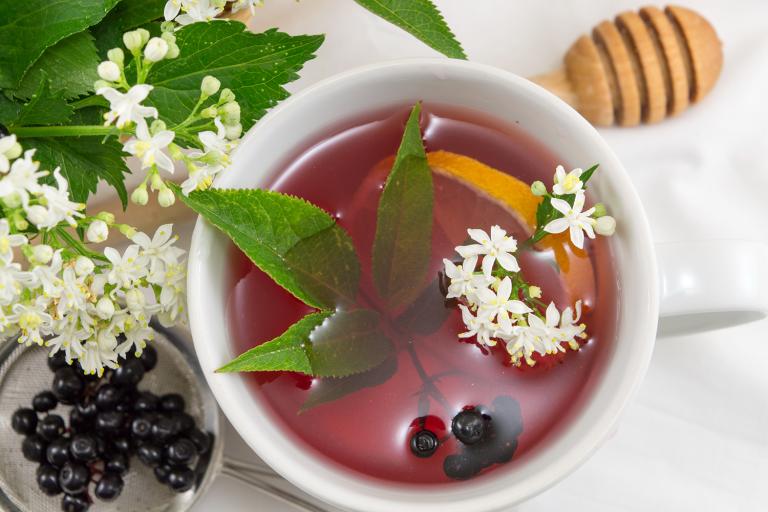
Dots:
(572, 216)
(202, 142)
(95, 307)
(498, 305)
(185, 12)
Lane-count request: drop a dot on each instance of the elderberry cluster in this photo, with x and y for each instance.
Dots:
(110, 421)
(486, 436)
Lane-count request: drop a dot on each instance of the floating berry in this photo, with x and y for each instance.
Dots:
(424, 443)
(469, 426)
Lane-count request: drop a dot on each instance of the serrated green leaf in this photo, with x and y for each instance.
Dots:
(296, 243)
(287, 352)
(254, 66)
(330, 388)
(588, 173)
(83, 161)
(43, 108)
(70, 63)
(348, 343)
(403, 241)
(28, 28)
(128, 15)
(422, 20)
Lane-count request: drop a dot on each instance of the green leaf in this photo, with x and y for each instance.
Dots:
(28, 28)
(348, 343)
(421, 19)
(427, 313)
(287, 352)
(588, 173)
(403, 242)
(71, 64)
(296, 243)
(83, 161)
(254, 66)
(128, 15)
(330, 388)
(43, 108)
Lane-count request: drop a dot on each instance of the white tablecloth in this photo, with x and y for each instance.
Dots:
(696, 436)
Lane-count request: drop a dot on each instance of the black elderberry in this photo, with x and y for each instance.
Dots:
(79, 423)
(141, 428)
(24, 421)
(122, 444)
(130, 373)
(162, 472)
(150, 454)
(48, 479)
(181, 479)
(424, 443)
(109, 422)
(183, 422)
(146, 402)
(57, 453)
(75, 503)
(109, 487)
(33, 448)
(107, 397)
(87, 409)
(148, 358)
(202, 440)
(181, 451)
(172, 402)
(44, 401)
(460, 466)
(163, 428)
(51, 427)
(67, 385)
(84, 448)
(56, 361)
(117, 462)
(74, 477)
(469, 426)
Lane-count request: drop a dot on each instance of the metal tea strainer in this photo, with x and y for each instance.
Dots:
(24, 373)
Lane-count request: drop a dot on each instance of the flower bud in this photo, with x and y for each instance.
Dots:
(107, 217)
(175, 152)
(37, 215)
(234, 131)
(100, 84)
(134, 299)
(108, 71)
(132, 41)
(144, 34)
(20, 222)
(156, 182)
(168, 37)
(534, 292)
(158, 125)
(209, 112)
(168, 26)
(83, 266)
(14, 151)
(140, 195)
(42, 254)
(166, 197)
(97, 232)
(605, 225)
(12, 200)
(105, 308)
(210, 85)
(116, 55)
(600, 211)
(538, 188)
(173, 51)
(230, 112)
(226, 96)
(156, 50)
(126, 230)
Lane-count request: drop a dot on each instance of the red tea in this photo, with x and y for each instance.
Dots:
(366, 423)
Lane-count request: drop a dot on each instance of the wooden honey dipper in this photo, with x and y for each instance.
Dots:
(642, 67)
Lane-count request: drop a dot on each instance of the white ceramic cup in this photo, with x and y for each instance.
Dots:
(688, 285)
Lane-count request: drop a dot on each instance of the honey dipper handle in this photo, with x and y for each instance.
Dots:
(557, 82)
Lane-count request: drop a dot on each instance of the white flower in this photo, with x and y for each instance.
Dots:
(135, 301)
(173, 296)
(97, 232)
(22, 180)
(149, 148)
(83, 266)
(126, 269)
(11, 279)
(38, 215)
(578, 221)
(42, 254)
(156, 49)
(69, 338)
(498, 304)
(238, 5)
(137, 334)
(60, 208)
(9, 149)
(216, 141)
(476, 326)
(34, 322)
(9, 241)
(569, 183)
(105, 308)
(200, 178)
(570, 329)
(73, 295)
(127, 107)
(197, 10)
(160, 250)
(108, 71)
(464, 281)
(497, 247)
(98, 352)
(605, 225)
(172, 9)
(47, 276)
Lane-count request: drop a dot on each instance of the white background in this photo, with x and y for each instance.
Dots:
(696, 436)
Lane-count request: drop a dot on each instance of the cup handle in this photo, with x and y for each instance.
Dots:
(708, 285)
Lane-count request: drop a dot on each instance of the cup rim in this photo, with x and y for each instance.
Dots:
(339, 487)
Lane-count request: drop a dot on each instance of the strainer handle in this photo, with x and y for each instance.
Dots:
(258, 476)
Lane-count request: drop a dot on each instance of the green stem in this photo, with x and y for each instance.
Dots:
(65, 131)
(77, 246)
(90, 101)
